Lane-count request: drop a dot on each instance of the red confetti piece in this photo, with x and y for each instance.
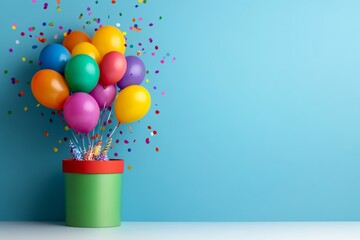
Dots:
(149, 127)
(147, 140)
(157, 149)
(157, 112)
(46, 134)
(126, 141)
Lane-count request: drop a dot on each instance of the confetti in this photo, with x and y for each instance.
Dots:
(56, 149)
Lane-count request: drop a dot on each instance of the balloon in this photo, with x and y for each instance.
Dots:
(135, 72)
(132, 103)
(112, 68)
(74, 38)
(104, 96)
(49, 88)
(81, 112)
(54, 56)
(88, 49)
(107, 39)
(82, 73)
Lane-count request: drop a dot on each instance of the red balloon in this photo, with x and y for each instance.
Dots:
(112, 68)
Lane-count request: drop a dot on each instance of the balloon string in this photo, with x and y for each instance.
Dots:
(83, 142)
(107, 120)
(113, 131)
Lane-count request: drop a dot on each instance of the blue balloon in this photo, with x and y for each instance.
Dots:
(54, 56)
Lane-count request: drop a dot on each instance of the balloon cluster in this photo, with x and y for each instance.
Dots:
(80, 76)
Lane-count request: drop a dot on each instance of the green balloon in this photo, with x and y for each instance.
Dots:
(82, 73)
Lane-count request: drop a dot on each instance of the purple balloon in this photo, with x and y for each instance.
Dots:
(104, 96)
(81, 112)
(135, 72)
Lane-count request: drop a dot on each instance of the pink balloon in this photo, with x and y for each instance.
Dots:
(112, 68)
(81, 112)
(104, 95)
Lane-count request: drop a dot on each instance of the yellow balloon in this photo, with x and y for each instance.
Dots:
(88, 49)
(132, 103)
(108, 39)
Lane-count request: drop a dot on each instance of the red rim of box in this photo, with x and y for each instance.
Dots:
(97, 167)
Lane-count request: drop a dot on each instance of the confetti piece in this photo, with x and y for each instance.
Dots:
(46, 134)
(67, 128)
(157, 111)
(56, 149)
(129, 167)
(156, 149)
(25, 109)
(147, 140)
(9, 112)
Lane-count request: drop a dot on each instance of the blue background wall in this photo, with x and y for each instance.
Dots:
(259, 121)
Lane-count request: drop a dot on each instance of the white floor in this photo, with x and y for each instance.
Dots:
(184, 231)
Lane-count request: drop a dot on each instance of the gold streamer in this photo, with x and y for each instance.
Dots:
(97, 148)
(107, 146)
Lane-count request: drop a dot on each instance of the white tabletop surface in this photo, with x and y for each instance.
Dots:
(184, 231)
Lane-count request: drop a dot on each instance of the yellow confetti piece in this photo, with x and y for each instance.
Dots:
(67, 128)
(129, 167)
(147, 80)
(59, 141)
(38, 105)
(124, 33)
(65, 34)
(23, 59)
(13, 27)
(58, 8)
(25, 109)
(56, 149)
(102, 128)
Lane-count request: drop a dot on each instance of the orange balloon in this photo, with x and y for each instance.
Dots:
(49, 88)
(74, 38)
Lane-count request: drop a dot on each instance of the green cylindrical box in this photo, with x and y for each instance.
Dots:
(93, 193)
